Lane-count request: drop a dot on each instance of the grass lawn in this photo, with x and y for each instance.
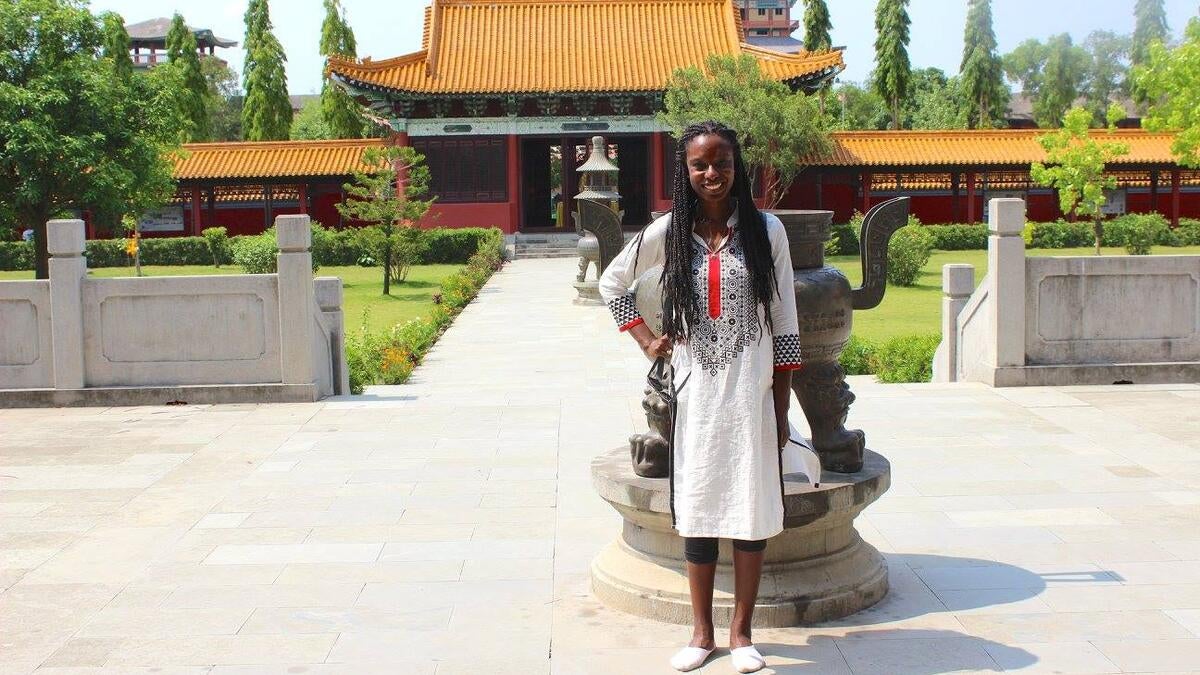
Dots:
(918, 309)
(363, 288)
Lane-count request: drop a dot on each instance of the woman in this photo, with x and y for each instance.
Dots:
(729, 328)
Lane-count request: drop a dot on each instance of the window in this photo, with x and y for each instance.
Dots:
(762, 12)
(466, 169)
(778, 12)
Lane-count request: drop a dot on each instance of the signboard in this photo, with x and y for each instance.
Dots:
(1114, 202)
(167, 219)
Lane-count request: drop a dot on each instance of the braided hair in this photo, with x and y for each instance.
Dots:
(680, 307)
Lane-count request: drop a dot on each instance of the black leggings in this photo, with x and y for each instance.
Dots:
(703, 550)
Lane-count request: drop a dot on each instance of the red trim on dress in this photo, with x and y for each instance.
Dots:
(789, 366)
(636, 322)
(714, 285)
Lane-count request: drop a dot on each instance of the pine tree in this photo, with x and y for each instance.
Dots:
(892, 68)
(981, 71)
(341, 113)
(817, 26)
(1150, 25)
(267, 112)
(116, 45)
(191, 87)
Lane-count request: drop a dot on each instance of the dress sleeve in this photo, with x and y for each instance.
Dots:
(784, 326)
(643, 252)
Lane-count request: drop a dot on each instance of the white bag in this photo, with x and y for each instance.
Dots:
(799, 457)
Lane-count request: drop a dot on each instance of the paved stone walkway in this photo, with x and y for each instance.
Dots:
(446, 526)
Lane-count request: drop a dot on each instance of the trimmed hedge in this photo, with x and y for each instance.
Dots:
(908, 358)
(16, 256)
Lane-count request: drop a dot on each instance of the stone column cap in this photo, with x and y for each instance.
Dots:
(293, 233)
(65, 238)
(958, 279)
(1006, 216)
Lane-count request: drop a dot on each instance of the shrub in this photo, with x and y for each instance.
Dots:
(1188, 232)
(906, 359)
(856, 356)
(108, 253)
(959, 237)
(218, 243)
(1058, 234)
(847, 235)
(338, 248)
(400, 249)
(908, 252)
(1138, 232)
(16, 255)
(256, 254)
(456, 246)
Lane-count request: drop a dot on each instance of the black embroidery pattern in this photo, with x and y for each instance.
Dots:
(787, 350)
(624, 310)
(715, 342)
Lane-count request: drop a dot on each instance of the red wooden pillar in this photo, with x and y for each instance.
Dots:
(514, 184)
(866, 192)
(1174, 197)
(970, 196)
(1154, 191)
(657, 182)
(302, 191)
(197, 225)
(400, 140)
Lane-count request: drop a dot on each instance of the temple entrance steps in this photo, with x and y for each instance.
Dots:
(524, 246)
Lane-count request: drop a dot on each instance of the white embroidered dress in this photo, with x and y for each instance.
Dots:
(727, 481)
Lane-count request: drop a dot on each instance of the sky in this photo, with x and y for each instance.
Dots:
(387, 28)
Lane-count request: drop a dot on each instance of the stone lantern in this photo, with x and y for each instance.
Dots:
(597, 219)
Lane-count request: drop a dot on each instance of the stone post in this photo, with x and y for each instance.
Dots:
(958, 282)
(296, 301)
(68, 267)
(329, 298)
(1006, 278)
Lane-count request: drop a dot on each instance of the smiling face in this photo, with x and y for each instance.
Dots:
(710, 167)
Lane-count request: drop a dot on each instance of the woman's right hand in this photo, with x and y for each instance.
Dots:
(652, 345)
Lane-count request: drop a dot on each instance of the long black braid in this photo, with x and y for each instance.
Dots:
(680, 307)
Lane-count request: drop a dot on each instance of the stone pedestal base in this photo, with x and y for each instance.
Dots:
(589, 292)
(818, 569)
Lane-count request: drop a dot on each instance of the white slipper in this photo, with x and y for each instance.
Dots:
(747, 659)
(690, 658)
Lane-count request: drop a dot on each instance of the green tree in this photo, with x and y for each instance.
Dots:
(116, 45)
(1107, 69)
(1170, 81)
(892, 68)
(1052, 74)
(817, 26)
(342, 115)
(309, 124)
(774, 124)
(191, 98)
(1150, 26)
(858, 108)
(981, 71)
(389, 192)
(935, 101)
(1075, 162)
(266, 112)
(72, 136)
(224, 98)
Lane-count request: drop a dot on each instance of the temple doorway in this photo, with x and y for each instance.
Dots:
(549, 180)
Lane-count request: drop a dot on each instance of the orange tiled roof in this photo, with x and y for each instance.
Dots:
(272, 159)
(472, 47)
(978, 147)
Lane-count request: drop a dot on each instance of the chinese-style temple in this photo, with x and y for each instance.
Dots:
(148, 41)
(503, 96)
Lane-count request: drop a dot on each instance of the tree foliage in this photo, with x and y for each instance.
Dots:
(224, 100)
(1074, 166)
(190, 87)
(1108, 68)
(892, 67)
(1052, 74)
(935, 101)
(1150, 26)
(309, 124)
(116, 45)
(981, 71)
(267, 112)
(389, 192)
(341, 114)
(1170, 81)
(72, 136)
(774, 125)
(817, 26)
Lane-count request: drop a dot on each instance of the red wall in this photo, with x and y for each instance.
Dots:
(494, 214)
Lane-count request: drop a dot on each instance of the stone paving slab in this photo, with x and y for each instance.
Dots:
(446, 526)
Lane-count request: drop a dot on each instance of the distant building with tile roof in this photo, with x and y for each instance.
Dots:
(148, 41)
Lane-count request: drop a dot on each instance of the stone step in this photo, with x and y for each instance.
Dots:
(545, 253)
